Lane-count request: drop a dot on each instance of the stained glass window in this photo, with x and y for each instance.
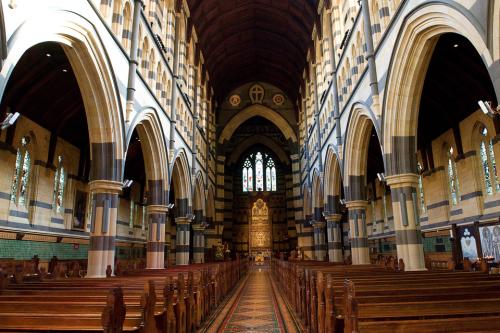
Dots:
(488, 163)
(245, 180)
(247, 176)
(250, 179)
(270, 175)
(267, 181)
(273, 178)
(22, 172)
(259, 172)
(132, 213)
(59, 185)
(453, 178)
(421, 188)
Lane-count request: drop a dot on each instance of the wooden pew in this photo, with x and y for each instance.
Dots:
(180, 311)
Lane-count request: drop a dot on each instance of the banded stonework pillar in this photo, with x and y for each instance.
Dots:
(334, 233)
(306, 239)
(406, 220)
(103, 226)
(319, 240)
(198, 244)
(182, 241)
(156, 237)
(358, 233)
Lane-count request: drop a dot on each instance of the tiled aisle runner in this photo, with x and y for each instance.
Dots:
(255, 308)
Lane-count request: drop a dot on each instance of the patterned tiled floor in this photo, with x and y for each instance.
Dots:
(255, 308)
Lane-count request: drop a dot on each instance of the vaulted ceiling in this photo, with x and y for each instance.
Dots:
(254, 40)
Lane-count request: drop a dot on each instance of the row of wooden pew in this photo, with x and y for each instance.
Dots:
(57, 269)
(371, 298)
(170, 300)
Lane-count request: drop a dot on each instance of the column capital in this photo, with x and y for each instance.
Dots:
(210, 231)
(333, 217)
(182, 220)
(198, 227)
(156, 209)
(105, 186)
(318, 224)
(356, 204)
(402, 180)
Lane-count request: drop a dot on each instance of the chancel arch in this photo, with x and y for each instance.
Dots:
(257, 110)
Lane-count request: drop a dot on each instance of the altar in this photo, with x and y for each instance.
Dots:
(260, 232)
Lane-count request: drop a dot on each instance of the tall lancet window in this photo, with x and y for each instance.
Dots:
(270, 175)
(421, 188)
(59, 185)
(487, 155)
(453, 178)
(247, 176)
(22, 173)
(259, 172)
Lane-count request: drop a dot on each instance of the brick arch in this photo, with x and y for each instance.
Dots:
(407, 72)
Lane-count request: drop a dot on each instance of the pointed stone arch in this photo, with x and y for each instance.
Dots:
(257, 110)
(181, 180)
(317, 196)
(356, 152)
(199, 208)
(332, 181)
(407, 72)
(94, 74)
(150, 130)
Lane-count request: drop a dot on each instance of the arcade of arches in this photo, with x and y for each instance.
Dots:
(154, 134)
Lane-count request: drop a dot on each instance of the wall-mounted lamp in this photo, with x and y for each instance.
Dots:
(170, 205)
(127, 183)
(487, 108)
(10, 119)
(381, 176)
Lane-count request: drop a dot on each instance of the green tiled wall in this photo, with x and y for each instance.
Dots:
(437, 244)
(24, 250)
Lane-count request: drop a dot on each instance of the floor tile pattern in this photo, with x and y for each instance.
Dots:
(256, 310)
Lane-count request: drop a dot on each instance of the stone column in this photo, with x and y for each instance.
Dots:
(319, 240)
(358, 235)
(103, 226)
(406, 220)
(182, 241)
(334, 234)
(156, 238)
(198, 244)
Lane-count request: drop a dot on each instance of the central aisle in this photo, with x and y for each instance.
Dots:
(256, 307)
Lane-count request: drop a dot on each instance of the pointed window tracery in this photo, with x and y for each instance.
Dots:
(264, 179)
(487, 155)
(453, 178)
(22, 173)
(59, 185)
